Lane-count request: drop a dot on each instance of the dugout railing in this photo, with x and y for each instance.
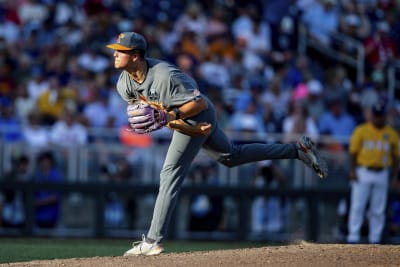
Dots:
(314, 199)
(313, 202)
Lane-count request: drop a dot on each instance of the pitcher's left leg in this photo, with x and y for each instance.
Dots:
(180, 155)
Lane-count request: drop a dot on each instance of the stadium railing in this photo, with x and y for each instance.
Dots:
(84, 194)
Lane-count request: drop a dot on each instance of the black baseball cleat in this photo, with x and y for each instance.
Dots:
(309, 156)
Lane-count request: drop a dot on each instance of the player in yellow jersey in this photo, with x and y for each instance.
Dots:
(374, 151)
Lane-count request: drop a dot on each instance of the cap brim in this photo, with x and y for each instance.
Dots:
(118, 47)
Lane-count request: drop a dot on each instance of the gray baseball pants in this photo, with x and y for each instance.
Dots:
(182, 151)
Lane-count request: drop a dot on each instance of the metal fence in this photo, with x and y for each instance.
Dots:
(315, 220)
(308, 205)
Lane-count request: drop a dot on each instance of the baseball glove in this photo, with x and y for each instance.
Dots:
(147, 116)
(144, 118)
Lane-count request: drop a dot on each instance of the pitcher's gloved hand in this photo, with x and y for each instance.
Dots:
(145, 118)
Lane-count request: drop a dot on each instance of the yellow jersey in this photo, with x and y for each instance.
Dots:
(374, 147)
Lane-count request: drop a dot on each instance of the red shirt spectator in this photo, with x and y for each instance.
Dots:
(380, 48)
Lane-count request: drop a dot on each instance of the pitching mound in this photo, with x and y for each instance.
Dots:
(303, 254)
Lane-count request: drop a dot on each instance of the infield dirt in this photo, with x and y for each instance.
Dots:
(303, 254)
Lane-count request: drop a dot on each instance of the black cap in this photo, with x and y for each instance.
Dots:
(379, 109)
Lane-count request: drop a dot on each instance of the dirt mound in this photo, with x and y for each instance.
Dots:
(302, 254)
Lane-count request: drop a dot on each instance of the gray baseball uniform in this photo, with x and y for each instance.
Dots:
(168, 85)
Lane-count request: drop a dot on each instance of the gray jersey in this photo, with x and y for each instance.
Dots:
(171, 87)
(164, 84)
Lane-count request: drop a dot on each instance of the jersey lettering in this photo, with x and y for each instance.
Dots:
(376, 145)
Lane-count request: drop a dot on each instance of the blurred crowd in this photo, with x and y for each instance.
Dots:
(57, 79)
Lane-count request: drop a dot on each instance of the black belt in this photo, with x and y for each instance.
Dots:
(375, 169)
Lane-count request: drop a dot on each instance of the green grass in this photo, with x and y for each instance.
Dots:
(27, 249)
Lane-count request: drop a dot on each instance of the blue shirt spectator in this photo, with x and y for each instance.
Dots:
(47, 203)
(321, 20)
(336, 122)
(9, 123)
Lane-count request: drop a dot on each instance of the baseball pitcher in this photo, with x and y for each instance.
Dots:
(158, 95)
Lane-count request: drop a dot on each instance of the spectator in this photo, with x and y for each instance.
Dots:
(336, 123)
(216, 23)
(248, 122)
(6, 82)
(337, 86)
(22, 72)
(252, 92)
(214, 71)
(374, 160)
(231, 95)
(68, 131)
(299, 70)
(52, 102)
(58, 52)
(23, 104)
(268, 213)
(284, 42)
(71, 35)
(192, 20)
(299, 123)
(303, 5)
(375, 91)
(68, 12)
(300, 92)
(255, 44)
(354, 21)
(9, 123)
(9, 30)
(366, 26)
(38, 84)
(206, 212)
(92, 61)
(45, 36)
(119, 210)
(243, 22)
(32, 46)
(165, 37)
(96, 111)
(354, 105)
(187, 63)
(321, 20)
(314, 102)
(47, 203)
(223, 45)
(274, 13)
(380, 49)
(272, 120)
(35, 133)
(277, 98)
(10, 11)
(13, 205)
(189, 44)
(32, 12)
(350, 26)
